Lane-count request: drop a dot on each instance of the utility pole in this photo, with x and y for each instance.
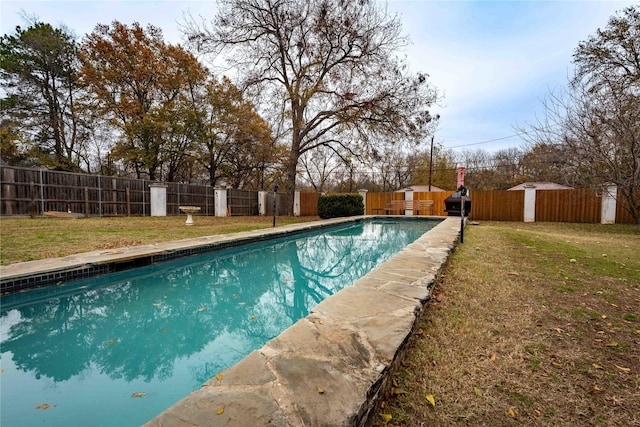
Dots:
(431, 163)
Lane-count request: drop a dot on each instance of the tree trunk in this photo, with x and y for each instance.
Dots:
(292, 166)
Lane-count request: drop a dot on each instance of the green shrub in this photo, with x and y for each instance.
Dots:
(338, 205)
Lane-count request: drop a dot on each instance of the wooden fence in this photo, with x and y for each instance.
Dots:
(309, 204)
(497, 205)
(26, 191)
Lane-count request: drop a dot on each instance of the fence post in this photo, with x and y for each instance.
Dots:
(86, 202)
(41, 191)
(262, 203)
(408, 195)
(158, 199)
(10, 202)
(608, 210)
(296, 203)
(128, 195)
(220, 200)
(363, 193)
(32, 187)
(529, 203)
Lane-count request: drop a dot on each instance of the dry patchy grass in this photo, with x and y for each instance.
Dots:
(530, 324)
(26, 239)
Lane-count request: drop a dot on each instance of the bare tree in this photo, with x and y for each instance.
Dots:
(328, 67)
(598, 121)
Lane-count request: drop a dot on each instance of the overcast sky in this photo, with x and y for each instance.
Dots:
(493, 61)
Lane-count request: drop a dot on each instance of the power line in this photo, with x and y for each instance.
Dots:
(487, 141)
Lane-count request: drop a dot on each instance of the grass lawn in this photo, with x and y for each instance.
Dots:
(26, 239)
(530, 324)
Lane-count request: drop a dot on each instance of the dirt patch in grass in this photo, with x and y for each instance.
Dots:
(530, 324)
(26, 239)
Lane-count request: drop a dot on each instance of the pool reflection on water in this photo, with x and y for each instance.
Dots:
(120, 348)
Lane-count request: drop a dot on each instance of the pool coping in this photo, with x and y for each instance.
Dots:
(330, 368)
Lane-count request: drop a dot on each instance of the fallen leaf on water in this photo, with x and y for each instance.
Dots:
(43, 406)
(235, 295)
(612, 344)
(202, 308)
(164, 330)
(253, 317)
(156, 304)
(622, 368)
(219, 378)
(386, 417)
(111, 342)
(139, 394)
(320, 390)
(477, 391)
(431, 400)
(512, 413)
(220, 410)
(595, 365)
(165, 297)
(1, 371)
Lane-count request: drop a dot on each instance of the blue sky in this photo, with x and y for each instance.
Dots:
(495, 61)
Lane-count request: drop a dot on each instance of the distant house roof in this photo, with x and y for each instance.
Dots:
(540, 186)
(420, 189)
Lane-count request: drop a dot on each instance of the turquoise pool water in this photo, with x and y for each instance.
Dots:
(118, 349)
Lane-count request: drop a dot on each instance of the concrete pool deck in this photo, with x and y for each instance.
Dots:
(329, 368)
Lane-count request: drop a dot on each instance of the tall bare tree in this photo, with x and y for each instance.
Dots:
(598, 121)
(329, 68)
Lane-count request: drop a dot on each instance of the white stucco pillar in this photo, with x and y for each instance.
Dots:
(296, 203)
(262, 203)
(220, 201)
(530, 203)
(363, 193)
(408, 195)
(158, 199)
(608, 212)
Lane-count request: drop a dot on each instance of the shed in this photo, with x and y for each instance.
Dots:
(540, 186)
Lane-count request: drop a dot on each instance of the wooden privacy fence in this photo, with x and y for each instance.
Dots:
(309, 204)
(578, 205)
(25, 191)
(497, 205)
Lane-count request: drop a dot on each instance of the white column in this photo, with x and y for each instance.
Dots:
(408, 195)
(363, 193)
(296, 203)
(608, 212)
(530, 203)
(262, 203)
(158, 199)
(220, 200)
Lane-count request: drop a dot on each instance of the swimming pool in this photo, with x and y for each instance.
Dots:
(118, 349)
